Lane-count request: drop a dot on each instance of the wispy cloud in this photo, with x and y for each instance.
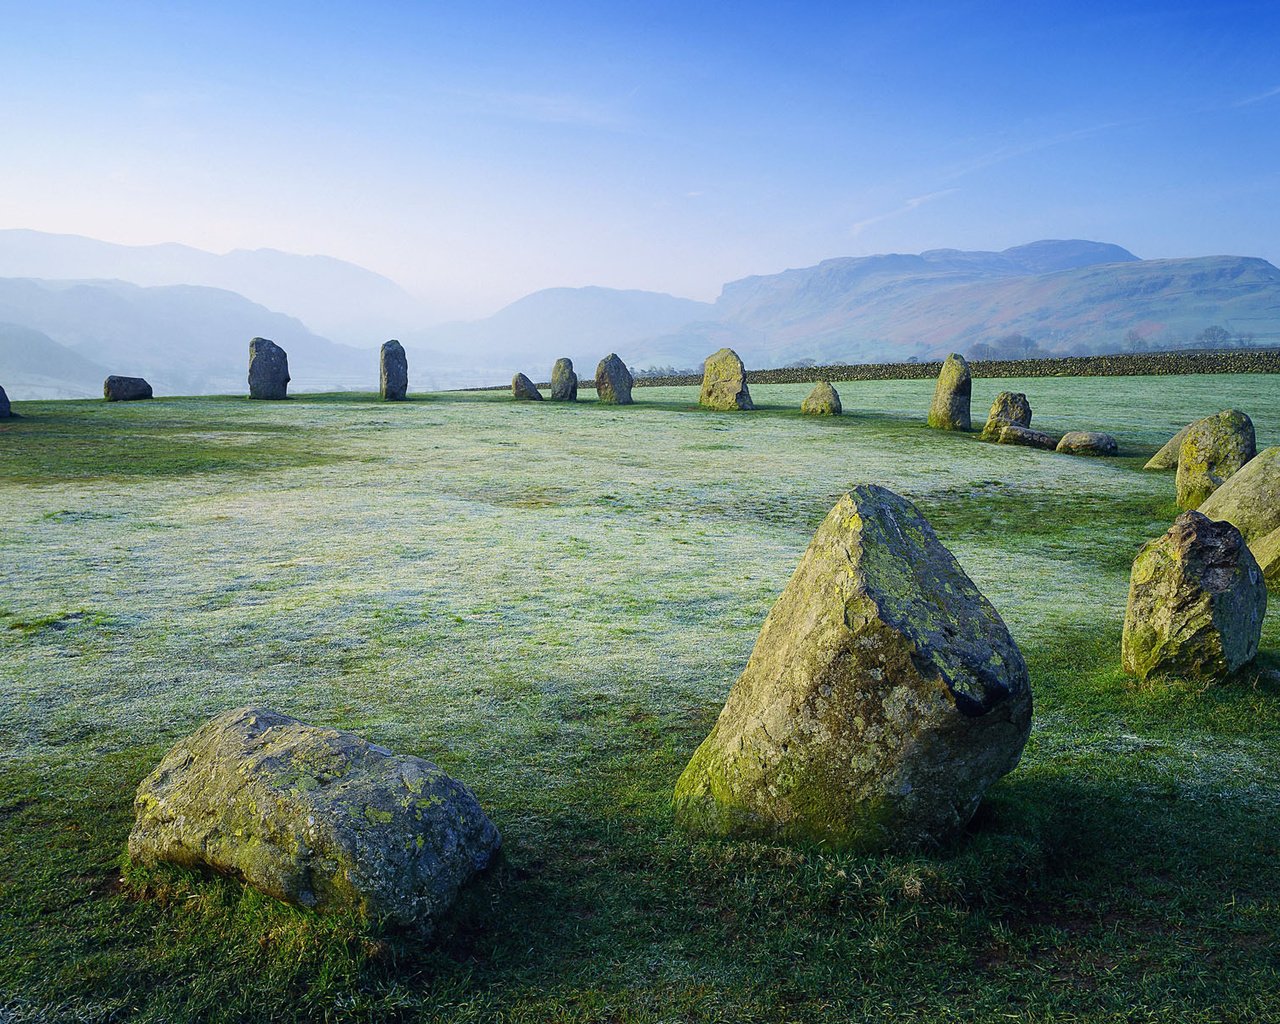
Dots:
(1015, 150)
(1250, 100)
(914, 203)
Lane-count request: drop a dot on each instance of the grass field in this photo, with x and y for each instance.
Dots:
(551, 602)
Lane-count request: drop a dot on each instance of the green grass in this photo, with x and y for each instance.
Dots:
(551, 602)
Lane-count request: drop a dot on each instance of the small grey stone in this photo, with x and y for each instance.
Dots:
(1087, 442)
(523, 389)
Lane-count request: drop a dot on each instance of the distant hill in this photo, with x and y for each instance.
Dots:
(332, 297)
(33, 365)
(1071, 297)
(183, 339)
(585, 324)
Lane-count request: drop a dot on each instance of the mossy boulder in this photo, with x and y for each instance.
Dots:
(1266, 551)
(1009, 408)
(316, 817)
(1167, 456)
(524, 390)
(393, 372)
(125, 389)
(1214, 448)
(613, 381)
(724, 382)
(1196, 603)
(883, 696)
(564, 382)
(1087, 442)
(1011, 433)
(951, 398)
(268, 370)
(1250, 501)
(823, 400)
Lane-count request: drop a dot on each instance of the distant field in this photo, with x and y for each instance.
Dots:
(552, 602)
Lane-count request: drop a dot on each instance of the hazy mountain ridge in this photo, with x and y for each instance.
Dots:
(332, 297)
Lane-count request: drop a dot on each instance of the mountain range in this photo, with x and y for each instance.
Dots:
(60, 335)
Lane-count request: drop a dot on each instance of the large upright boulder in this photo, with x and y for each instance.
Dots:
(268, 370)
(883, 696)
(1214, 448)
(951, 397)
(724, 382)
(564, 382)
(524, 390)
(1250, 501)
(6, 410)
(317, 817)
(823, 400)
(125, 389)
(1167, 456)
(1196, 603)
(1010, 408)
(393, 372)
(613, 381)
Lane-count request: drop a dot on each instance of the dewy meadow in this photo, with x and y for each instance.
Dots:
(890, 639)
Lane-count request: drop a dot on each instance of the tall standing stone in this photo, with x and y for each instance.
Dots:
(724, 382)
(393, 372)
(268, 370)
(5, 409)
(318, 817)
(1214, 448)
(564, 382)
(823, 400)
(613, 381)
(1196, 603)
(1010, 409)
(524, 390)
(950, 408)
(883, 696)
(125, 389)
(1250, 501)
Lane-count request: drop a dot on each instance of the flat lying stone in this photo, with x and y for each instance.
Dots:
(1011, 434)
(125, 389)
(1087, 442)
(316, 817)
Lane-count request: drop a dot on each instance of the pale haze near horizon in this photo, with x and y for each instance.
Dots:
(476, 154)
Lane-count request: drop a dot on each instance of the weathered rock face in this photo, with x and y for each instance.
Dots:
(1196, 603)
(564, 382)
(523, 389)
(883, 697)
(1012, 434)
(6, 410)
(1087, 442)
(1010, 408)
(823, 400)
(1250, 501)
(613, 381)
(393, 372)
(268, 370)
(313, 816)
(950, 408)
(125, 389)
(1167, 457)
(724, 382)
(1214, 448)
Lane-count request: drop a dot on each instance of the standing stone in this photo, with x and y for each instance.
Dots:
(1009, 409)
(564, 382)
(823, 400)
(950, 408)
(1196, 603)
(724, 382)
(1087, 442)
(524, 390)
(5, 409)
(1214, 448)
(393, 372)
(1250, 501)
(883, 696)
(1167, 456)
(268, 370)
(125, 389)
(317, 817)
(613, 381)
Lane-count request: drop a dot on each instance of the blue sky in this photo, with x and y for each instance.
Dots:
(476, 152)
